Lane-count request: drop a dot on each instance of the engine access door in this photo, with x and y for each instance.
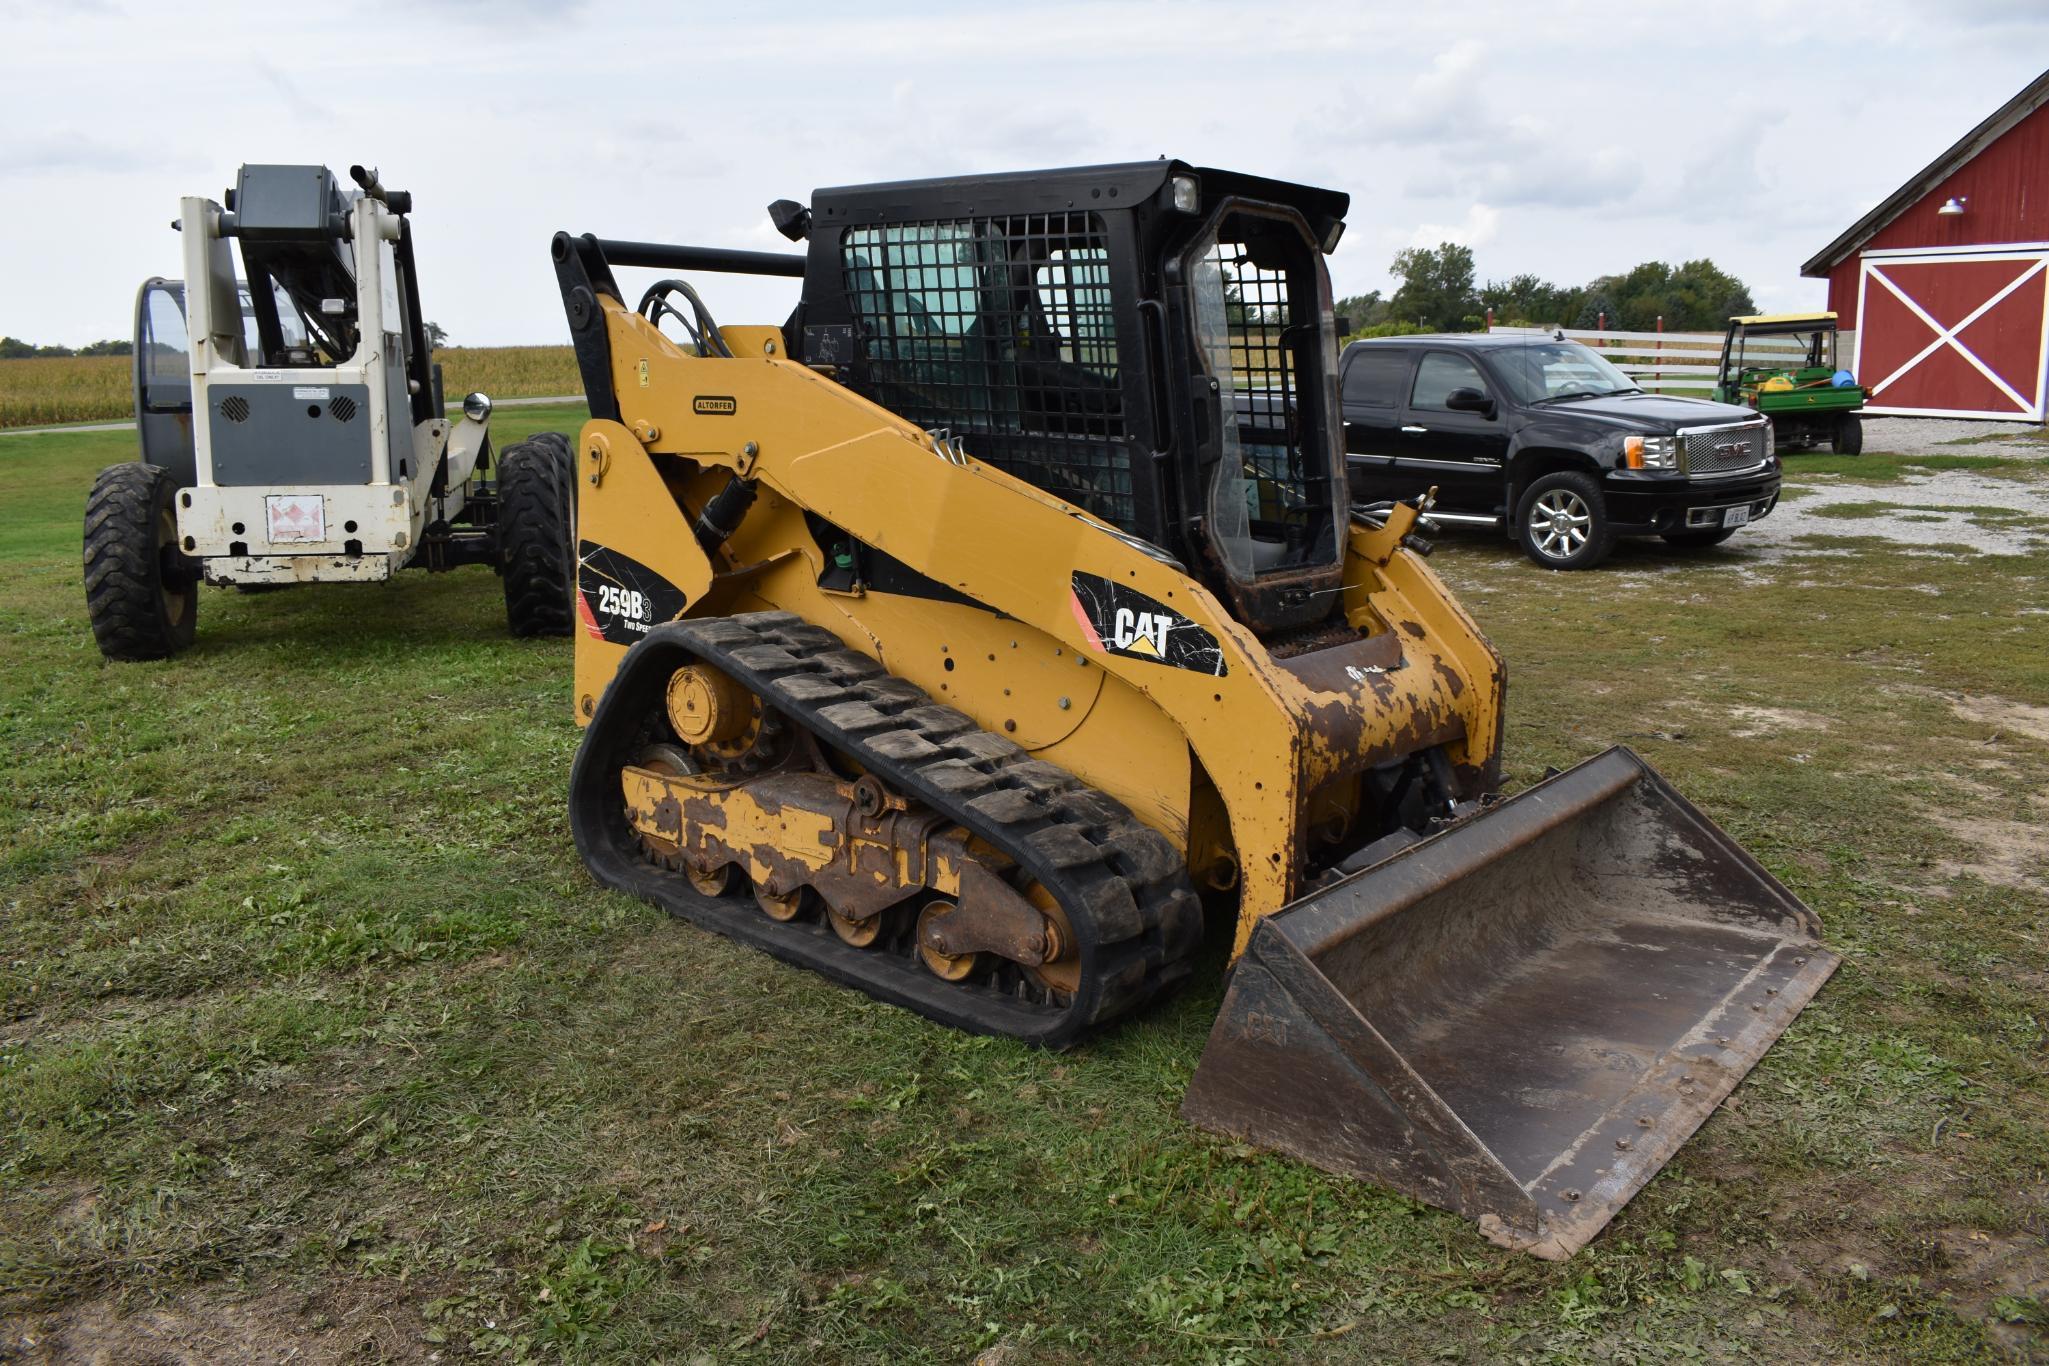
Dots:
(163, 379)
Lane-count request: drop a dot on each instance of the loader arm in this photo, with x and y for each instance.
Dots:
(1264, 734)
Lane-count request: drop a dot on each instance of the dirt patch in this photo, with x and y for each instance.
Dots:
(2003, 714)
(2013, 718)
(191, 1329)
(1985, 1267)
(199, 1329)
(1753, 722)
(2006, 853)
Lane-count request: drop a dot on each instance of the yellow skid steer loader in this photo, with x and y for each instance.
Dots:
(978, 634)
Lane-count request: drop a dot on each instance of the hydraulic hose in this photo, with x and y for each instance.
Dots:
(721, 516)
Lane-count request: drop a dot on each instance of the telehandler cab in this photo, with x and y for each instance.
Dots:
(292, 428)
(973, 634)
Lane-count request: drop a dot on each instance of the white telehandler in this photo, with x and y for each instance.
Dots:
(292, 427)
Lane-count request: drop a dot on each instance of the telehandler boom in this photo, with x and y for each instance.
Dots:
(980, 632)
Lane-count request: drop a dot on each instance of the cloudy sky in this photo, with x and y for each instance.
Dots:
(1563, 139)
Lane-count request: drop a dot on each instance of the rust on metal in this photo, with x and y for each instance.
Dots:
(1521, 1018)
(990, 917)
(860, 848)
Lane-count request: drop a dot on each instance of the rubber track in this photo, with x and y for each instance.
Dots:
(122, 597)
(534, 499)
(1124, 887)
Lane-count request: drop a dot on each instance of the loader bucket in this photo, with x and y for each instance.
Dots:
(1520, 1018)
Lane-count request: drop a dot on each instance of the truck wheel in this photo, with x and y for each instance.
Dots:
(536, 518)
(1849, 439)
(1690, 540)
(1562, 522)
(141, 592)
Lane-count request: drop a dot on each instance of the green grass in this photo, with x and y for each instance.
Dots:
(314, 1032)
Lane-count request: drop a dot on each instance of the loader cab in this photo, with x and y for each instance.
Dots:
(1151, 342)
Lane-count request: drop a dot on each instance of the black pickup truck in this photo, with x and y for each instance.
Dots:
(1547, 440)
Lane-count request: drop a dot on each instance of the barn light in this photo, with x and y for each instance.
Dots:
(1952, 206)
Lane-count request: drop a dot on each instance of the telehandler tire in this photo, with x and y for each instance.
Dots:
(141, 592)
(536, 527)
(1849, 438)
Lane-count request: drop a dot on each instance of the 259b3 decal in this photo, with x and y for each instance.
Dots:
(618, 598)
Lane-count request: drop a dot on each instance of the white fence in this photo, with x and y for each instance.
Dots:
(1671, 362)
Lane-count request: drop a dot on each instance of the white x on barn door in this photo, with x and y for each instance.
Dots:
(1959, 334)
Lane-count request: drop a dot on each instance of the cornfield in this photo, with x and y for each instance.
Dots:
(47, 390)
(509, 371)
(64, 389)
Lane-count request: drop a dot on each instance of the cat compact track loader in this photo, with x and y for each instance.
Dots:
(978, 634)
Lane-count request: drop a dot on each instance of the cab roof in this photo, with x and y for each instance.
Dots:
(1785, 321)
(1118, 185)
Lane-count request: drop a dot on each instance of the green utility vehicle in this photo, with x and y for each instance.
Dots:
(1784, 365)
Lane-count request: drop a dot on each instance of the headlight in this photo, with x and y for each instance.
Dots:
(1771, 442)
(1187, 194)
(1651, 452)
(477, 407)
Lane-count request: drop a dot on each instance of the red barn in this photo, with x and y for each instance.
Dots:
(1947, 281)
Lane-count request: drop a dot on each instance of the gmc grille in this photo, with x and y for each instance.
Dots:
(1720, 450)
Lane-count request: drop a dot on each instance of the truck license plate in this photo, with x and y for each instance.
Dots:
(296, 517)
(1735, 516)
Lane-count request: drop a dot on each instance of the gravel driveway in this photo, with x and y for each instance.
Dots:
(1934, 512)
(1951, 436)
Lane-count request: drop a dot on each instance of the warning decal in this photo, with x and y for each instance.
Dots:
(295, 518)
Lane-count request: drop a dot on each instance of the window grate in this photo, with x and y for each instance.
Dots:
(1000, 330)
(1264, 384)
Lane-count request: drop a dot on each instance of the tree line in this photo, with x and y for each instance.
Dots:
(1437, 293)
(13, 348)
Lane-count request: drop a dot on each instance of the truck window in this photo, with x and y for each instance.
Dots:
(1439, 374)
(1374, 378)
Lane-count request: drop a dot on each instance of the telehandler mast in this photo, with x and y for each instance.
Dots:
(978, 634)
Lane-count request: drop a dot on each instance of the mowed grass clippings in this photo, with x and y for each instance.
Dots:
(314, 1035)
(45, 390)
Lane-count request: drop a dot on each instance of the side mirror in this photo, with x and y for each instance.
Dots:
(1469, 401)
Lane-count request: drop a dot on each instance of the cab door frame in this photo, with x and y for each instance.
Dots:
(163, 395)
